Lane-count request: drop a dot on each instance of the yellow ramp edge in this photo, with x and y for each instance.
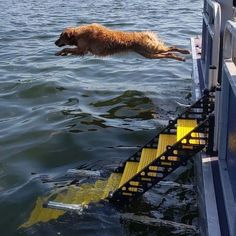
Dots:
(83, 194)
(112, 184)
(184, 127)
(129, 171)
(147, 156)
(165, 140)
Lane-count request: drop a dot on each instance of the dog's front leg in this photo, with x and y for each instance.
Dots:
(73, 51)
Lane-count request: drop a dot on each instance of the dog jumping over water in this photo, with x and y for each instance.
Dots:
(102, 41)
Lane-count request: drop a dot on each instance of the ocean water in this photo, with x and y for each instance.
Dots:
(58, 113)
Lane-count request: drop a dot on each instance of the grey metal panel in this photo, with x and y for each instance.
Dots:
(223, 115)
(212, 218)
(229, 200)
(227, 124)
(227, 11)
(209, 225)
(201, 195)
(217, 119)
(211, 42)
(227, 117)
(196, 42)
(231, 140)
(209, 53)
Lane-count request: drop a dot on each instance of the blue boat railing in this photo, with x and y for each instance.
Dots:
(227, 123)
(217, 68)
(211, 37)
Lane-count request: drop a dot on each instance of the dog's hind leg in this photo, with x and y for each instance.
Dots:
(162, 55)
(175, 49)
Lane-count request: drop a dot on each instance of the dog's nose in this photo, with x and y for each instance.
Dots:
(57, 42)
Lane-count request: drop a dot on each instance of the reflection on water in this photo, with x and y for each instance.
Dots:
(131, 104)
(66, 112)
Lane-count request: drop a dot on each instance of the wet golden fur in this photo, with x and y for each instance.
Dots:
(102, 41)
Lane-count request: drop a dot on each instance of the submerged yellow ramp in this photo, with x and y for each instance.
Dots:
(112, 184)
(129, 171)
(83, 194)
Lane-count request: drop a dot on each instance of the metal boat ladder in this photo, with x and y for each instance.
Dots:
(181, 139)
(191, 132)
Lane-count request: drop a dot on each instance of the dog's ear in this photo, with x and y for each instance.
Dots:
(68, 33)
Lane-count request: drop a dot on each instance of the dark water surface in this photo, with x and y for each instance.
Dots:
(58, 113)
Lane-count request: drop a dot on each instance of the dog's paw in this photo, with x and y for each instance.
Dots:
(57, 53)
(61, 53)
(180, 59)
(186, 52)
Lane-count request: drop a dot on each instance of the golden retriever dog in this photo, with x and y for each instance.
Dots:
(102, 41)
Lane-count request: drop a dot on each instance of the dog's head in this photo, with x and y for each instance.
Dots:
(67, 37)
